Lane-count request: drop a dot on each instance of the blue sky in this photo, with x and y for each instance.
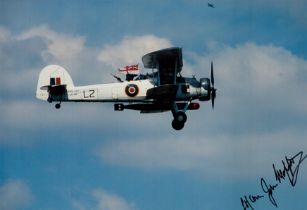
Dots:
(85, 156)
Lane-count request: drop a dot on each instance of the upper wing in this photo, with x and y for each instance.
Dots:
(167, 61)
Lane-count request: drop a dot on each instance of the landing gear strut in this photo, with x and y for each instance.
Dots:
(179, 117)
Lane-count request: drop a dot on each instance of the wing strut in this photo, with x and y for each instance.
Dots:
(175, 75)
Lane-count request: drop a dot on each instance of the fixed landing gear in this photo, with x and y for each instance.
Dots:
(179, 119)
(177, 125)
(49, 99)
(179, 116)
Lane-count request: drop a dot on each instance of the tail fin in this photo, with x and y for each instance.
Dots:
(52, 75)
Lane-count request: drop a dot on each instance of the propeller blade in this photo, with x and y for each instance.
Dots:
(213, 96)
(212, 76)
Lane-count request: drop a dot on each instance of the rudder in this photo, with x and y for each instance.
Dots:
(52, 75)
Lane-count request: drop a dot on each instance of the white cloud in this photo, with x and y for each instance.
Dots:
(15, 194)
(257, 76)
(131, 49)
(61, 47)
(265, 66)
(40, 45)
(69, 51)
(110, 201)
(88, 64)
(20, 69)
(19, 84)
(4, 34)
(104, 200)
(22, 56)
(210, 156)
(17, 114)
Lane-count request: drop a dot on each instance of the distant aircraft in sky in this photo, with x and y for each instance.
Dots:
(210, 5)
(165, 89)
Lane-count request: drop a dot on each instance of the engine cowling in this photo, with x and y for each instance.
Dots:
(206, 85)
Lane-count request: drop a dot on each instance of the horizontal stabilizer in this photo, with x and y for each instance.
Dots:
(48, 87)
(55, 90)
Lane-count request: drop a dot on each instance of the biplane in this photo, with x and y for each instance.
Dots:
(163, 89)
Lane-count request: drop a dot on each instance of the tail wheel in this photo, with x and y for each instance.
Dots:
(177, 125)
(57, 106)
(180, 117)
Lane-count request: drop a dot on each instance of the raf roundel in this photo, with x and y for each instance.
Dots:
(132, 90)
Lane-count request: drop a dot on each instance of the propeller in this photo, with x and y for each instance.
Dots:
(213, 90)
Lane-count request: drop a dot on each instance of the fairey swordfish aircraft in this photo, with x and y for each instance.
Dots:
(165, 89)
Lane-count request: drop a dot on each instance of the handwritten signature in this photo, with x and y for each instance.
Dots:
(290, 169)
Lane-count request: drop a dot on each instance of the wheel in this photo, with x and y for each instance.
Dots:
(180, 117)
(177, 125)
(57, 106)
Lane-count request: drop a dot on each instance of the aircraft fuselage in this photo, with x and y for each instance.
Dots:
(127, 91)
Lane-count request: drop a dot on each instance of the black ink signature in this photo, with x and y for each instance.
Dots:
(246, 201)
(269, 190)
(290, 169)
